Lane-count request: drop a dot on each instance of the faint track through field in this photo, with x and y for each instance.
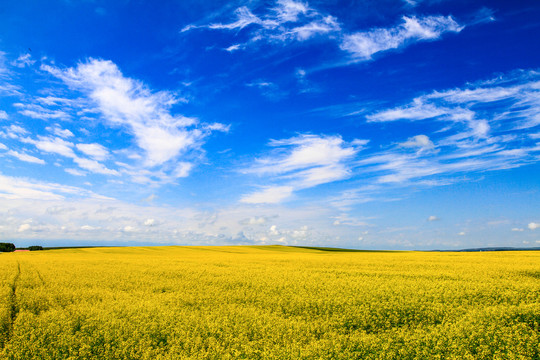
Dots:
(12, 306)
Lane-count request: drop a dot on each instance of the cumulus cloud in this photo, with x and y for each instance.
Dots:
(3, 115)
(54, 145)
(533, 225)
(433, 218)
(421, 142)
(363, 45)
(149, 222)
(254, 220)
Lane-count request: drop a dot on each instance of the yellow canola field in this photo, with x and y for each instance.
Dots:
(268, 302)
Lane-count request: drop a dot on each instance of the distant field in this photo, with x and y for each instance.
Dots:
(268, 302)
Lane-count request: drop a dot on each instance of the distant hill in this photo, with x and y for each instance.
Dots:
(493, 249)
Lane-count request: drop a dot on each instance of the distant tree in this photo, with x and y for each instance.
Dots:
(35, 248)
(7, 247)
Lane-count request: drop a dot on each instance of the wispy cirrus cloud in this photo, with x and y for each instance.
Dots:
(363, 45)
(290, 20)
(23, 60)
(16, 188)
(287, 20)
(301, 162)
(508, 102)
(485, 126)
(25, 157)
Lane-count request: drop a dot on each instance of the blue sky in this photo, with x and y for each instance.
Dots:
(403, 124)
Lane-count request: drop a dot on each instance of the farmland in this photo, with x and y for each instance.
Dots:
(268, 302)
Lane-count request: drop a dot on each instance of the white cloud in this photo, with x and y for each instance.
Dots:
(483, 128)
(54, 145)
(513, 98)
(517, 229)
(58, 131)
(533, 226)
(416, 111)
(433, 218)
(149, 222)
(273, 230)
(363, 45)
(244, 18)
(301, 162)
(182, 170)
(3, 147)
(74, 172)
(217, 127)
(94, 166)
(26, 157)
(270, 195)
(23, 61)
(24, 227)
(288, 20)
(14, 132)
(129, 104)
(3, 115)
(65, 148)
(254, 220)
(36, 111)
(419, 141)
(326, 25)
(233, 47)
(13, 188)
(288, 10)
(304, 152)
(95, 151)
(461, 233)
(88, 228)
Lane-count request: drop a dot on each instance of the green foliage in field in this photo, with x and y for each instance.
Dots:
(268, 303)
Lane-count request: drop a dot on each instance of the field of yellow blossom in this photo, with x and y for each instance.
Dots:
(268, 302)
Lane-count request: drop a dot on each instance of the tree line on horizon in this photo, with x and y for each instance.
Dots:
(10, 247)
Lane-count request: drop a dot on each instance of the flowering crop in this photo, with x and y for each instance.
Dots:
(268, 302)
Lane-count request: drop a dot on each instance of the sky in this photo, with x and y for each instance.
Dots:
(392, 124)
